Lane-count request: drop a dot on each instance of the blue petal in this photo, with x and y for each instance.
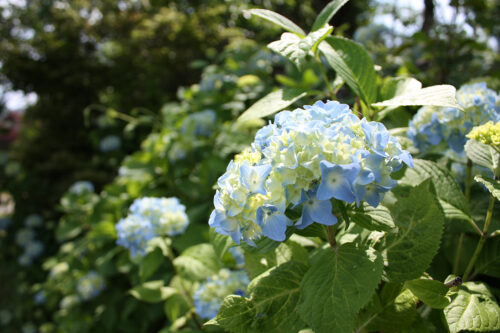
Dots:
(272, 222)
(336, 181)
(253, 177)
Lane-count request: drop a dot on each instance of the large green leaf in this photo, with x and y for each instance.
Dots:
(327, 13)
(221, 243)
(197, 262)
(431, 292)
(150, 263)
(482, 154)
(419, 219)
(236, 315)
(353, 64)
(441, 95)
(276, 294)
(395, 86)
(276, 19)
(488, 262)
(272, 103)
(492, 185)
(295, 48)
(473, 308)
(152, 291)
(372, 218)
(338, 284)
(448, 191)
(258, 263)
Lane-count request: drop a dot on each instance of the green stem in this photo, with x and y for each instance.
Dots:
(482, 240)
(458, 253)
(343, 211)
(325, 76)
(468, 185)
(330, 232)
(468, 180)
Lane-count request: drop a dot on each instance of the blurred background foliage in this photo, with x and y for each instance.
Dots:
(115, 82)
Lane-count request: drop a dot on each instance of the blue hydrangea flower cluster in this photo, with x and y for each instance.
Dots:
(211, 292)
(432, 126)
(149, 218)
(238, 256)
(81, 187)
(90, 285)
(33, 221)
(40, 297)
(32, 248)
(305, 158)
(199, 123)
(110, 143)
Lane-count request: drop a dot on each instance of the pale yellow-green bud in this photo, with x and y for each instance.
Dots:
(488, 134)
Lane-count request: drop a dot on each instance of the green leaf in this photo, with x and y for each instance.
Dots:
(492, 185)
(448, 191)
(393, 310)
(372, 218)
(276, 19)
(295, 48)
(440, 95)
(276, 294)
(176, 306)
(152, 292)
(150, 263)
(395, 86)
(236, 314)
(420, 221)
(473, 308)
(272, 103)
(338, 284)
(482, 154)
(197, 262)
(258, 263)
(353, 64)
(221, 243)
(431, 292)
(327, 13)
(488, 262)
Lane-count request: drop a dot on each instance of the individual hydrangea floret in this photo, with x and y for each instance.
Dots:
(81, 187)
(110, 143)
(166, 215)
(488, 134)
(33, 221)
(134, 233)
(90, 285)
(301, 161)
(211, 292)
(432, 125)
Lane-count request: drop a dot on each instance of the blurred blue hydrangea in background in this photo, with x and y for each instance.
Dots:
(90, 285)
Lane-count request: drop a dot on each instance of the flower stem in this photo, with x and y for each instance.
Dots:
(468, 180)
(458, 253)
(482, 240)
(325, 76)
(330, 232)
(468, 185)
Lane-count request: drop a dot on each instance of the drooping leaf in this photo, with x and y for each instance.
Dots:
(353, 64)
(327, 13)
(395, 86)
(448, 191)
(473, 308)
(431, 292)
(372, 218)
(420, 224)
(197, 262)
(152, 291)
(272, 103)
(492, 185)
(440, 95)
(295, 48)
(276, 19)
(276, 294)
(488, 262)
(482, 154)
(338, 284)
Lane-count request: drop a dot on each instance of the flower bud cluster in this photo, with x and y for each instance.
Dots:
(90, 285)
(489, 134)
(434, 125)
(211, 292)
(149, 218)
(306, 157)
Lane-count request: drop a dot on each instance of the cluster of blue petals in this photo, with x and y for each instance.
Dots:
(90, 285)
(110, 143)
(199, 123)
(211, 292)
(25, 238)
(432, 126)
(305, 158)
(149, 218)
